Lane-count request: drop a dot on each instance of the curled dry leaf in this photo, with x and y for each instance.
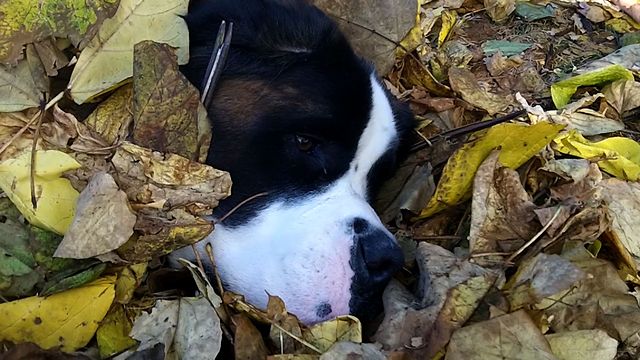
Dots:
(248, 343)
(103, 220)
(618, 156)
(499, 10)
(446, 283)
(623, 95)
(325, 334)
(168, 179)
(165, 103)
(107, 59)
(502, 217)
(10, 125)
(66, 129)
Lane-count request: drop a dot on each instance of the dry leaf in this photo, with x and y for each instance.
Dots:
(103, 220)
(464, 83)
(107, 59)
(165, 103)
(356, 18)
(248, 343)
(583, 344)
(113, 117)
(512, 336)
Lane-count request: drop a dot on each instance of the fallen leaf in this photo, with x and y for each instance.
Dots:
(582, 344)
(502, 213)
(67, 320)
(518, 143)
(165, 103)
(562, 91)
(147, 177)
(103, 220)
(464, 83)
(511, 336)
(349, 350)
(497, 64)
(113, 334)
(188, 328)
(52, 57)
(449, 19)
(248, 343)
(533, 12)
(623, 200)
(620, 156)
(325, 334)
(625, 57)
(107, 59)
(19, 88)
(539, 277)
(66, 132)
(128, 281)
(569, 169)
(113, 117)
(445, 281)
(623, 95)
(55, 196)
(499, 10)
(507, 48)
(10, 125)
(391, 18)
(26, 351)
(277, 313)
(66, 19)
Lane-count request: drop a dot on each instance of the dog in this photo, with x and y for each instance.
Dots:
(299, 116)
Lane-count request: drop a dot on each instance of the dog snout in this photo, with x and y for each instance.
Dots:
(377, 255)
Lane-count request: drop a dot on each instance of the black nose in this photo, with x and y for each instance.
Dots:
(375, 257)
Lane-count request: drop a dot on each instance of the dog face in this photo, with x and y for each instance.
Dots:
(298, 115)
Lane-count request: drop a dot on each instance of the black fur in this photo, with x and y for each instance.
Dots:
(289, 71)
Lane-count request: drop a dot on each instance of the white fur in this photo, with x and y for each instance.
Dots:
(300, 250)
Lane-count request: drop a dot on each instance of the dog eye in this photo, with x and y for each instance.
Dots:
(304, 143)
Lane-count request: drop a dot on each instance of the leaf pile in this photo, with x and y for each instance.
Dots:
(517, 207)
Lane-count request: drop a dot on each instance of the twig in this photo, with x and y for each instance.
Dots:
(223, 218)
(536, 236)
(32, 170)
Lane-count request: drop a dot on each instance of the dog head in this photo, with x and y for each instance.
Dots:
(298, 116)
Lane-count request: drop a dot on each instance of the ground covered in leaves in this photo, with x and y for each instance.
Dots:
(517, 207)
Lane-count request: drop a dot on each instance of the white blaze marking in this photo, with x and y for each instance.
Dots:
(375, 139)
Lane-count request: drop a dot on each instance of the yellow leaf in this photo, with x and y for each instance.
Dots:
(327, 333)
(621, 156)
(67, 320)
(518, 144)
(562, 91)
(107, 59)
(449, 19)
(113, 334)
(56, 197)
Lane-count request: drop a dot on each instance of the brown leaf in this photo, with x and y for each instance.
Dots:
(539, 277)
(277, 311)
(248, 343)
(442, 275)
(623, 95)
(502, 217)
(349, 350)
(67, 132)
(165, 103)
(356, 18)
(464, 83)
(512, 336)
(51, 56)
(499, 10)
(102, 223)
